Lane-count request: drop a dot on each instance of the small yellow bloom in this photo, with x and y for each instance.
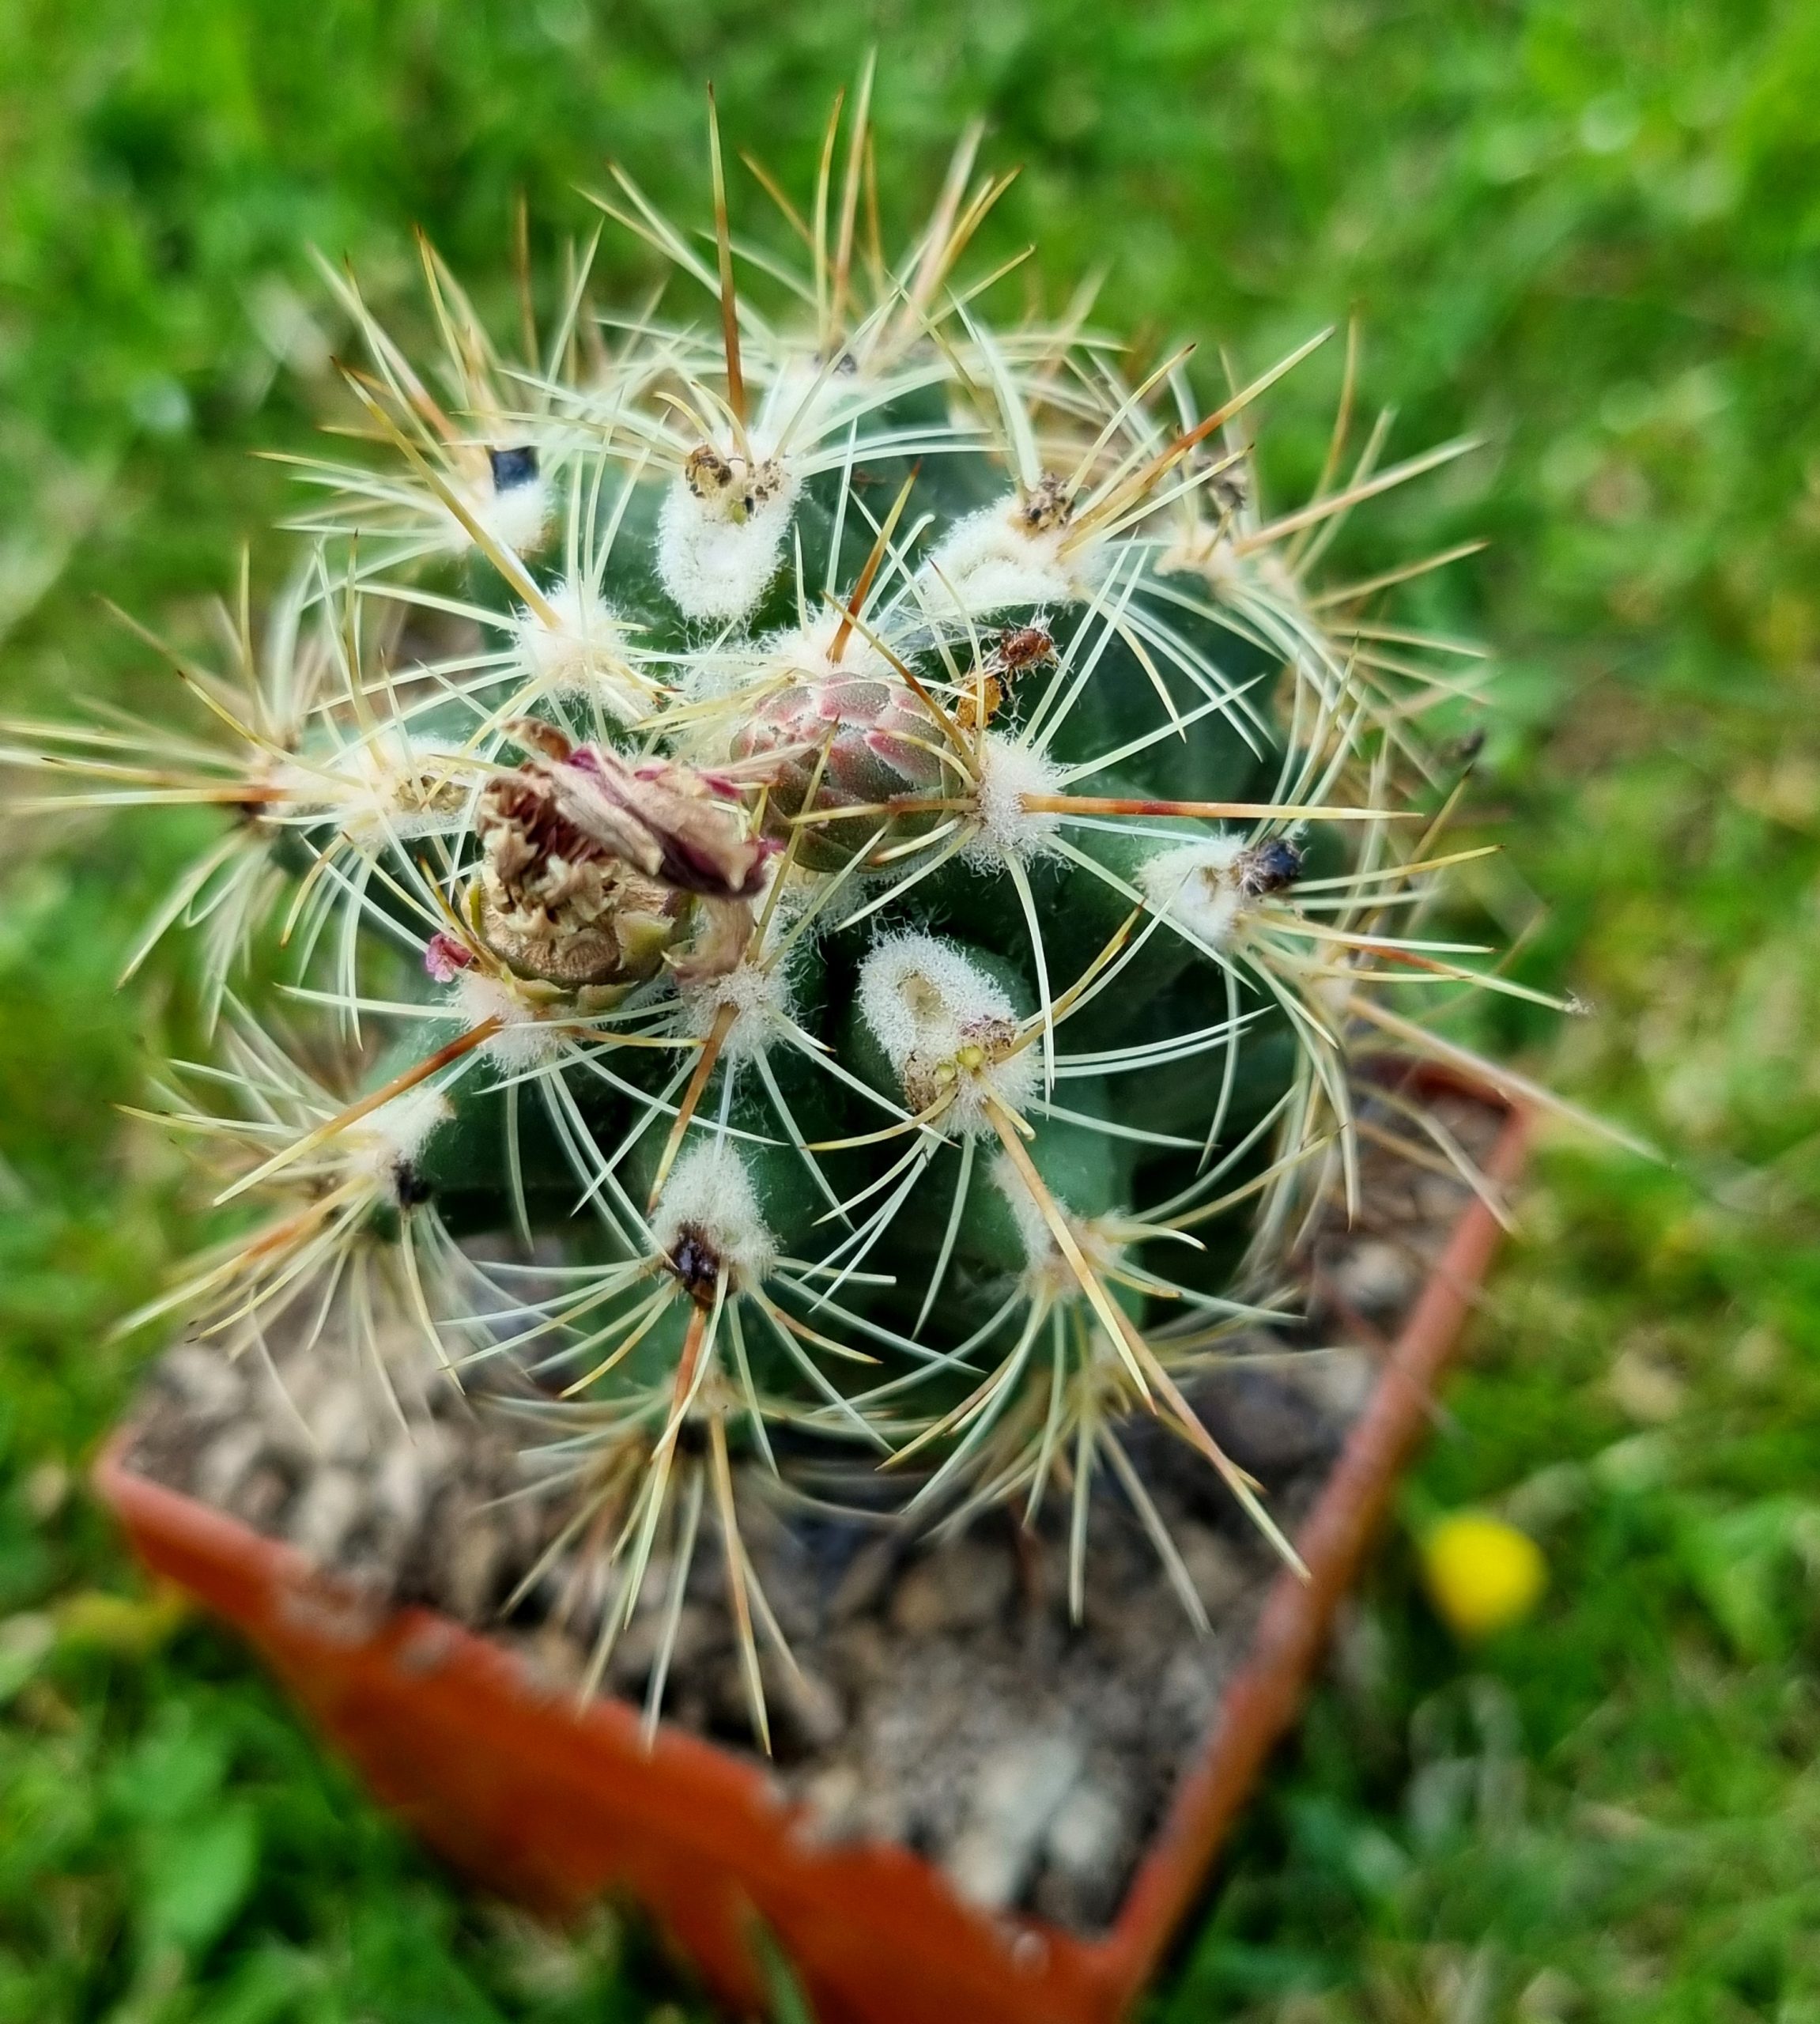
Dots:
(1481, 1574)
(125, 1626)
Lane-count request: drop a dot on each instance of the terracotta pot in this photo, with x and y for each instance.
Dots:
(553, 1806)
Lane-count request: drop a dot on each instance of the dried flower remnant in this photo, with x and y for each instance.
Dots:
(590, 864)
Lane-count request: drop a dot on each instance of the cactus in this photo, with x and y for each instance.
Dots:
(853, 831)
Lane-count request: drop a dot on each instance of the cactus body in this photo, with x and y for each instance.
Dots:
(856, 873)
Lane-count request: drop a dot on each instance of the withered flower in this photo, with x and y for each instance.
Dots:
(590, 864)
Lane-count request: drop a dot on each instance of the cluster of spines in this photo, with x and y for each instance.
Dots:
(758, 773)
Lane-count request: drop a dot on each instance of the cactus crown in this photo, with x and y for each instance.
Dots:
(867, 854)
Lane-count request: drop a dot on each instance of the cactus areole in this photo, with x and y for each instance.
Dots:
(842, 838)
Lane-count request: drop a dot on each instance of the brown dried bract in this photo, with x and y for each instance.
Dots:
(697, 1265)
(969, 712)
(1049, 504)
(1270, 866)
(929, 1077)
(1017, 648)
(1020, 647)
(729, 485)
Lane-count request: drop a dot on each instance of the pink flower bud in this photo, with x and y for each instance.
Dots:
(445, 958)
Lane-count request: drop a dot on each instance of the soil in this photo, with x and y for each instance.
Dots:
(944, 1698)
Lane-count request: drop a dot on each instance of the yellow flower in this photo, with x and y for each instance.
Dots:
(1481, 1574)
(127, 1626)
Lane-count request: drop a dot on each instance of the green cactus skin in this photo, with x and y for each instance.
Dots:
(887, 848)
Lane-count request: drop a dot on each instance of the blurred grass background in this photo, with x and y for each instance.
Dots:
(1591, 233)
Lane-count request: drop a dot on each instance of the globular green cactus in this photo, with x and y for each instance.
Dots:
(850, 833)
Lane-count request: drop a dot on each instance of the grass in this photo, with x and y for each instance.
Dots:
(1588, 233)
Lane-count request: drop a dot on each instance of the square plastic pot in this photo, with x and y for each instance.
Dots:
(555, 1806)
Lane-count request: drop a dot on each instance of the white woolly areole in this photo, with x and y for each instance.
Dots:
(713, 677)
(524, 1040)
(752, 671)
(582, 654)
(989, 562)
(919, 995)
(760, 997)
(1039, 1239)
(1009, 771)
(391, 787)
(1196, 885)
(792, 379)
(709, 1195)
(397, 1132)
(805, 650)
(943, 1025)
(516, 517)
(1205, 551)
(801, 400)
(714, 568)
(1047, 1272)
(1214, 557)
